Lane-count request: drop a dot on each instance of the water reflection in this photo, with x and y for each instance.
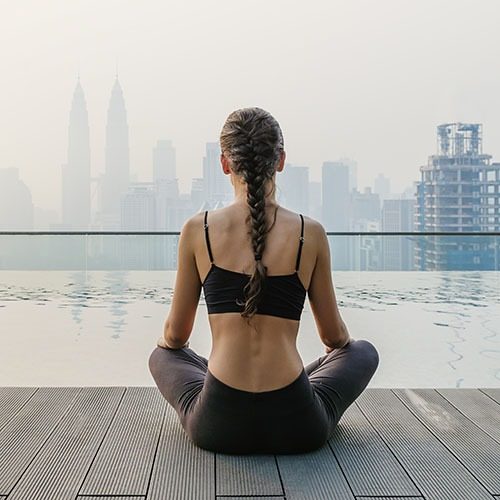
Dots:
(432, 328)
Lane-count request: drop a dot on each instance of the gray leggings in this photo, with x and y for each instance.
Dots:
(297, 418)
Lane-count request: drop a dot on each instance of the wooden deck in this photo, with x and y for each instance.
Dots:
(126, 443)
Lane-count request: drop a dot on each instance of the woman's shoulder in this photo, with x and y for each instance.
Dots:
(314, 225)
(198, 219)
(311, 225)
(196, 222)
(192, 229)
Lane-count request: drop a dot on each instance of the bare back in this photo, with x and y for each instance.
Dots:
(261, 356)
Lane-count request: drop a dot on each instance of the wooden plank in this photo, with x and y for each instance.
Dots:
(367, 462)
(434, 470)
(22, 437)
(476, 406)
(125, 459)
(248, 475)
(492, 393)
(313, 476)
(58, 469)
(119, 497)
(252, 498)
(477, 451)
(181, 469)
(11, 401)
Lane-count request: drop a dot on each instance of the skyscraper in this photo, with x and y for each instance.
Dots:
(382, 187)
(166, 184)
(197, 193)
(164, 162)
(459, 191)
(217, 186)
(336, 205)
(353, 172)
(116, 178)
(138, 208)
(315, 199)
(398, 251)
(364, 206)
(76, 172)
(293, 183)
(335, 196)
(16, 205)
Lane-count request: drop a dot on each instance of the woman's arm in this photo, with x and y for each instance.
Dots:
(331, 327)
(162, 343)
(348, 341)
(187, 289)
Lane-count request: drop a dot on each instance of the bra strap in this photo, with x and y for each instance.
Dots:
(301, 242)
(205, 226)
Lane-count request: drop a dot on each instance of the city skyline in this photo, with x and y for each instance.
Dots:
(106, 211)
(332, 77)
(459, 190)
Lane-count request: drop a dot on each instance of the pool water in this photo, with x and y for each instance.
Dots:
(72, 328)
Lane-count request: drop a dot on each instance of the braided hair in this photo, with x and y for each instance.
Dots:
(252, 139)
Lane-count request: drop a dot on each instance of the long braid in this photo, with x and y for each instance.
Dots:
(253, 140)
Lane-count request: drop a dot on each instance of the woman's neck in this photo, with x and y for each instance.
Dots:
(240, 193)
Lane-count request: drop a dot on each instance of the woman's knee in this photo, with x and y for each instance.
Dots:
(156, 358)
(369, 352)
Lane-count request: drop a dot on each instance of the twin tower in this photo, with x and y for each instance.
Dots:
(76, 178)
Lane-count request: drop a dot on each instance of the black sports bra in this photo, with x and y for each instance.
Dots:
(283, 295)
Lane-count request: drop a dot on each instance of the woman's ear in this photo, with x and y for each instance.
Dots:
(225, 164)
(281, 164)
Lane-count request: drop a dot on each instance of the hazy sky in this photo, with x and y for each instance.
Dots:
(368, 79)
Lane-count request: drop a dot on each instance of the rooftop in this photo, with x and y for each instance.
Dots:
(126, 442)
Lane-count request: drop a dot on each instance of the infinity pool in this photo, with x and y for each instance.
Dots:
(60, 328)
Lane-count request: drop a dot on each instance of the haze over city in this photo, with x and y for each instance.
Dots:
(364, 80)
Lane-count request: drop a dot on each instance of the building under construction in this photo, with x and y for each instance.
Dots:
(459, 191)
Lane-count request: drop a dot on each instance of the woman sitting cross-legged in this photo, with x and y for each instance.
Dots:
(256, 263)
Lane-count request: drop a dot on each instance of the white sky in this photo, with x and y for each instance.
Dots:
(368, 79)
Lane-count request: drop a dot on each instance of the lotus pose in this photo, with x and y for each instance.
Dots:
(256, 262)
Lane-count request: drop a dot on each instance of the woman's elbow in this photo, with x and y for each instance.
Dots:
(176, 333)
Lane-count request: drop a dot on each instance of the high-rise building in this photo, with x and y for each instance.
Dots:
(365, 250)
(164, 161)
(398, 251)
(138, 211)
(197, 193)
(166, 185)
(364, 217)
(335, 213)
(117, 174)
(459, 191)
(217, 185)
(16, 205)
(315, 199)
(335, 196)
(382, 186)
(76, 172)
(353, 172)
(292, 192)
(364, 206)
